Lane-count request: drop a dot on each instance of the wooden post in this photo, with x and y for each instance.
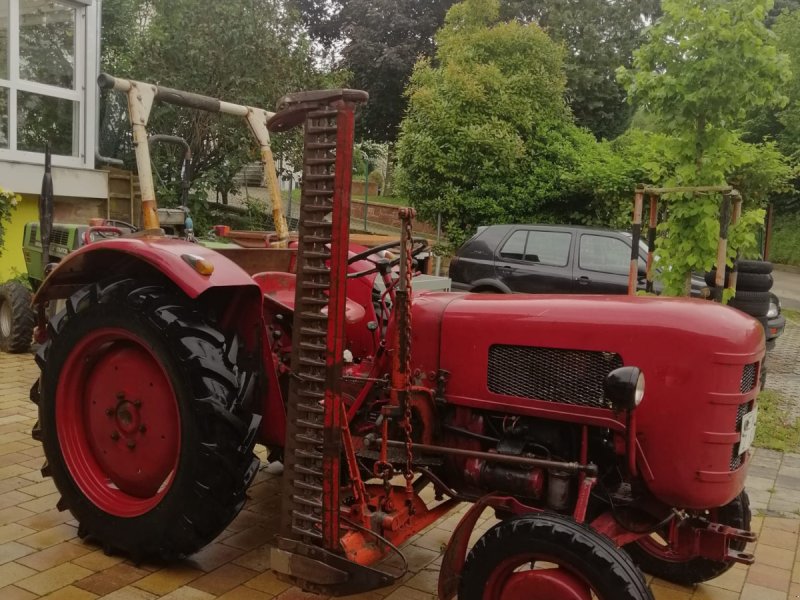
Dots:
(651, 241)
(768, 233)
(633, 273)
(722, 246)
(737, 213)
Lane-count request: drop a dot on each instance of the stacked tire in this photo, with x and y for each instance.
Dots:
(753, 283)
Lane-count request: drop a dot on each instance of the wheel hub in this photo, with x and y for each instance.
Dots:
(545, 584)
(118, 422)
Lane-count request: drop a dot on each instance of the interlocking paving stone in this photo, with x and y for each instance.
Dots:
(40, 557)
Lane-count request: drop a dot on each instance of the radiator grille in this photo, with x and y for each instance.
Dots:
(748, 378)
(736, 458)
(59, 236)
(552, 374)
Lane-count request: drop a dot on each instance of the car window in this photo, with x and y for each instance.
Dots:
(514, 248)
(548, 247)
(606, 254)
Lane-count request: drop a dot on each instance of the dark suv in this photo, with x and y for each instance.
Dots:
(546, 259)
(561, 259)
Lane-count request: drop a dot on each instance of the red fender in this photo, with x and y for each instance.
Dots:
(123, 255)
(456, 552)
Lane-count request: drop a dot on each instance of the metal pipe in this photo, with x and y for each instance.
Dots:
(573, 467)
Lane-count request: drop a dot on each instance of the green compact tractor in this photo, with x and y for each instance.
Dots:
(17, 317)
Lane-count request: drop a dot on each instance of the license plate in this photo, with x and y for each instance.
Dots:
(748, 430)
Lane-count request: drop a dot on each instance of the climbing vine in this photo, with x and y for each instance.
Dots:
(705, 66)
(8, 202)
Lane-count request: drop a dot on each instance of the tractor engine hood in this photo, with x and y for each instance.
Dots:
(548, 356)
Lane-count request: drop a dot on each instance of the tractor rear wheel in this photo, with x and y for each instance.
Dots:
(16, 318)
(549, 557)
(655, 554)
(141, 423)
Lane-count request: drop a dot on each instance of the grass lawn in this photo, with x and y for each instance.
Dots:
(774, 429)
(785, 244)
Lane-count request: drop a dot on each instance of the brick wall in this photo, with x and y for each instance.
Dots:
(383, 214)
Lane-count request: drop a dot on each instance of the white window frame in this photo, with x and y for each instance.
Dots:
(86, 42)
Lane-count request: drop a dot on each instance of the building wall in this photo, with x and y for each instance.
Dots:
(65, 210)
(12, 262)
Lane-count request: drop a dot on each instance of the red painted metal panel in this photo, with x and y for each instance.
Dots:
(692, 353)
(107, 257)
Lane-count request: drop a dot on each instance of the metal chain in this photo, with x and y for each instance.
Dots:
(407, 215)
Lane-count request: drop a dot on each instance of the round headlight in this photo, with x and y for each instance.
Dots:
(624, 388)
(639, 393)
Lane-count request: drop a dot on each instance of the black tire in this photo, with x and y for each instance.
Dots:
(748, 282)
(757, 267)
(17, 318)
(215, 461)
(755, 304)
(609, 571)
(754, 282)
(696, 570)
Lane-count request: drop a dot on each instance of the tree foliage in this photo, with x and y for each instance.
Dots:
(379, 40)
(707, 65)
(600, 36)
(245, 51)
(488, 136)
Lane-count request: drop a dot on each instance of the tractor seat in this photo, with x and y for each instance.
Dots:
(279, 289)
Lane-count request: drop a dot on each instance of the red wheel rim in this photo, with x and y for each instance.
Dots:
(666, 546)
(118, 422)
(508, 582)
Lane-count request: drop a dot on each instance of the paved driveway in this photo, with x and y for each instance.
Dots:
(41, 555)
(787, 286)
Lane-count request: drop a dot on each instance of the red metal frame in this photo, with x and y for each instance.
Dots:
(337, 302)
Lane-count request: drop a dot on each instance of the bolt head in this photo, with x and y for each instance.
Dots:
(137, 403)
(142, 428)
(110, 412)
(115, 435)
(131, 444)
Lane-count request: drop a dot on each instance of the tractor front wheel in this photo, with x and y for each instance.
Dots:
(661, 557)
(17, 318)
(549, 557)
(139, 416)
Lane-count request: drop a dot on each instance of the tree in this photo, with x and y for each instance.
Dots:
(488, 136)
(379, 41)
(706, 65)
(246, 51)
(600, 36)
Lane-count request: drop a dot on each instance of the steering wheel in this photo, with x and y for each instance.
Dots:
(121, 225)
(102, 231)
(418, 245)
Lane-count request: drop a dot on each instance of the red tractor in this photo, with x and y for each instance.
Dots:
(391, 408)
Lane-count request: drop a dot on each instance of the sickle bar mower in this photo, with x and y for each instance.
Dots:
(321, 548)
